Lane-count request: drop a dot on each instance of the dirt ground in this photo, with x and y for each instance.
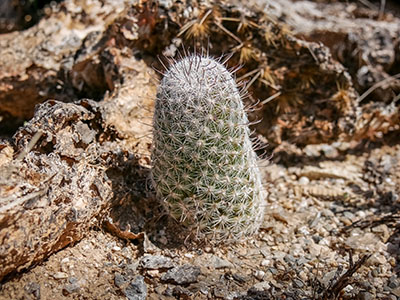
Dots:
(323, 216)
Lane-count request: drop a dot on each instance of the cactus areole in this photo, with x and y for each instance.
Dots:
(204, 166)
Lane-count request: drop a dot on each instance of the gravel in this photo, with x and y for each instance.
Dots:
(303, 248)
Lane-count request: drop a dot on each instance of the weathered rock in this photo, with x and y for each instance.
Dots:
(219, 263)
(33, 289)
(54, 190)
(137, 289)
(154, 262)
(366, 296)
(41, 62)
(365, 41)
(183, 275)
(261, 286)
(71, 288)
(119, 280)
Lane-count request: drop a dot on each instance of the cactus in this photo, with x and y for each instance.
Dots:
(204, 166)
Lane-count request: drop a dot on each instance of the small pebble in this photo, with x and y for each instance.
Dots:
(219, 263)
(304, 180)
(153, 273)
(366, 296)
(298, 283)
(265, 262)
(239, 278)
(396, 291)
(60, 275)
(207, 249)
(119, 280)
(65, 260)
(70, 288)
(348, 288)
(220, 292)
(261, 286)
(259, 274)
(33, 288)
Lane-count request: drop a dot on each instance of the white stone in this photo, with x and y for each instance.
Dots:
(265, 262)
(303, 180)
(261, 286)
(259, 274)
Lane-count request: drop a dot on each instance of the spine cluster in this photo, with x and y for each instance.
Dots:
(204, 166)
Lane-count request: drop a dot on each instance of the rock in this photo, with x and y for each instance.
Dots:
(72, 280)
(311, 150)
(116, 248)
(168, 291)
(65, 260)
(119, 280)
(181, 293)
(298, 283)
(289, 259)
(60, 275)
(240, 278)
(182, 275)
(316, 238)
(393, 282)
(201, 287)
(154, 262)
(396, 291)
(131, 268)
(219, 263)
(265, 262)
(212, 261)
(160, 289)
(220, 292)
(70, 288)
(366, 296)
(326, 280)
(365, 241)
(273, 270)
(376, 260)
(261, 286)
(329, 151)
(259, 274)
(33, 288)
(348, 288)
(304, 180)
(33, 232)
(153, 273)
(137, 289)
(148, 246)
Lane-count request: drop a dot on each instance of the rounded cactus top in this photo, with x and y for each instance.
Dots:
(196, 79)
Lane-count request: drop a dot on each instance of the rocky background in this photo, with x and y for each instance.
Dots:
(78, 218)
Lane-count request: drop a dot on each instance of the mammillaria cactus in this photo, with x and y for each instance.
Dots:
(204, 166)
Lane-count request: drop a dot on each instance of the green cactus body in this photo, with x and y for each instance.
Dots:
(204, 166)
